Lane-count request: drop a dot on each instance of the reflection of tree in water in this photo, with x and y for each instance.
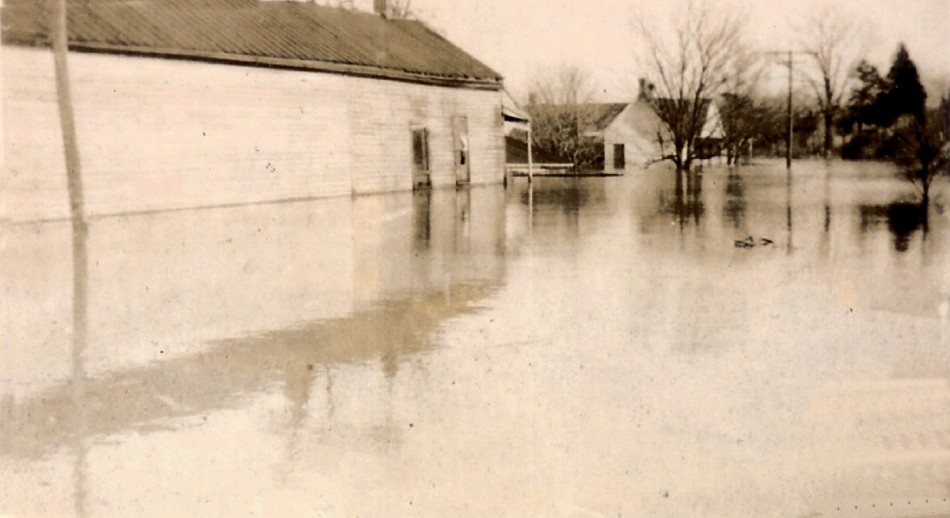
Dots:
(903, 220)
(685, 203)
(735, 206)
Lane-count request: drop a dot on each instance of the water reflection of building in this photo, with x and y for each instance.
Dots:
(416, 242)
(159, 322)
(568, 195)
(561, 202)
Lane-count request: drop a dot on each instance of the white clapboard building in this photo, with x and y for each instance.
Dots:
(186, 103)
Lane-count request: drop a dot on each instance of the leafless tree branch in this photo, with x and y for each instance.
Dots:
(835, 42)
(561, 112)
(689, 69)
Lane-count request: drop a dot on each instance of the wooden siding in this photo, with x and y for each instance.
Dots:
(382, 114)
(637, 128)
(159, 134)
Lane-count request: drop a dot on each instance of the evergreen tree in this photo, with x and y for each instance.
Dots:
(905, 94)
(865, 115)
(865, 102)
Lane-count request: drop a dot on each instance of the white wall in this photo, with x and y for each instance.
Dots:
(160, 134)
(635, 129)
(381, 113)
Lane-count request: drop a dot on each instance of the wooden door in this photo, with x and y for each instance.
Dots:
(620, 157)
(420, 157)
(462, 155)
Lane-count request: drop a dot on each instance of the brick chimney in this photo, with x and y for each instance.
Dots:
(647, 89)
(383, 8)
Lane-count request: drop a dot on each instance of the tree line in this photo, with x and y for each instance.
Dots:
(844, 106)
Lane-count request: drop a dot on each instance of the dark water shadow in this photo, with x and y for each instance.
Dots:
(422, 219)
(685, 201)
(230, 369)
(560, 202)
(903, 219)
(569, 195)
(734, 208)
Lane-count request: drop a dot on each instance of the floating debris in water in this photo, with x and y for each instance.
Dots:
(749, 242)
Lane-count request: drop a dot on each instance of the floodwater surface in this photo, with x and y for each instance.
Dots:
(752, 344)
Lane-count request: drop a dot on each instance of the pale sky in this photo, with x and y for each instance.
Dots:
(516, 37)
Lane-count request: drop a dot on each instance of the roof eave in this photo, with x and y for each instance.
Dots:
(286, 64)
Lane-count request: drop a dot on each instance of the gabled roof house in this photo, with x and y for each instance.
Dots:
(634, 136)
(188, 103)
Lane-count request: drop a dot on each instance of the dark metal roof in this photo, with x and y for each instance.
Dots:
(601, 115)
(252, 32)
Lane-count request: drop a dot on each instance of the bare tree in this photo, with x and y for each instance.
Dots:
(923, 151)
(744, 117)
(687, 71)
(561, 113)
(835, 43)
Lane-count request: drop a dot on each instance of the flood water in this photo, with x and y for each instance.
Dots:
(579, 347)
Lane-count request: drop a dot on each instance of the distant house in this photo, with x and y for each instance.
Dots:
(605, 126)
(183, 103)
(712, 132)
(591, 118)
(633, 136)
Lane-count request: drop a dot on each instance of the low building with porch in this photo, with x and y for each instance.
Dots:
(183, 104)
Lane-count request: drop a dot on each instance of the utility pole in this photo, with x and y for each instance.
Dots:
(530, 123)
(790, 138)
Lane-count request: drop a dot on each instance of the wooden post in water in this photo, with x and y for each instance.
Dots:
(2, 140)
(530, 157)
(59, 38)
(791, 119)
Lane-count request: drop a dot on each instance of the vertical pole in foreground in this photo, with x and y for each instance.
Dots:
(60, 42)
(2, 140)
(791, 121)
